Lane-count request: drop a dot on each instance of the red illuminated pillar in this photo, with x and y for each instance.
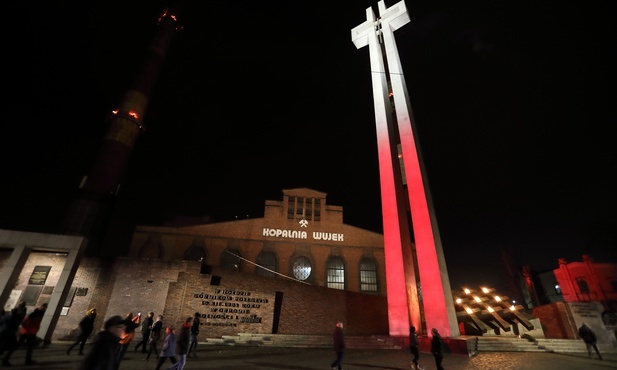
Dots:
(394, 127)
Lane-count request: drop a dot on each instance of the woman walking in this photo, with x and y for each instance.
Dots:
(86, 325)
(169, 348)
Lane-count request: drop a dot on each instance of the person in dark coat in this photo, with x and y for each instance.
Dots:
(413, 347)
(194, 334)
(589, 337)
(146, 327)
(183, 344)
(437, 348)
(86, 326)
(339, 346)
(169, 348)
(102, 356)
(155, 336)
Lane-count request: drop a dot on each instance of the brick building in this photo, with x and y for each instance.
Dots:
(297, 270)
(301, 237)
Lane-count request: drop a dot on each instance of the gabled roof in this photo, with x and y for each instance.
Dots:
(307, 192)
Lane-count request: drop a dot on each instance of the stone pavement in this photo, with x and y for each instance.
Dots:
(53, 357)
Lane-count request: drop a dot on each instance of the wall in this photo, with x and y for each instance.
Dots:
(178, 289)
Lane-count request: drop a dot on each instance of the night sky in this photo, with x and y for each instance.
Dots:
(514, 106)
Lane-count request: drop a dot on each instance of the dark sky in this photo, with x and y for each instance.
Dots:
(514, 105)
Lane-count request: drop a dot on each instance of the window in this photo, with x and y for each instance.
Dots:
(291, 206)
(584, 288)
(368, 275)
(336, 273)
(301, 268)
(195, 253)
(308, 211)
(266, 264)
(230, 259)
(300, 208)
(582, 285)
(304, 208)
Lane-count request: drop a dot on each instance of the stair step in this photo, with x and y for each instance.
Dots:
(299, 341)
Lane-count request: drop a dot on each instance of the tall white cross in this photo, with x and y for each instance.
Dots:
(390, 94)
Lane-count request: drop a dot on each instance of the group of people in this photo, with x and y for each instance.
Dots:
(118, 334)
(18, 328)
(437, 347)
(110, 344)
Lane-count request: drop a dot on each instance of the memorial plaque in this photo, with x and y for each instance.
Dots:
(39, 275)
(31, 294)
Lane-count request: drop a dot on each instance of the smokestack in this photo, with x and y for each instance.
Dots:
(90, 211)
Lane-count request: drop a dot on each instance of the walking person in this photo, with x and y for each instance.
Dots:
(146, 327)
(589, 337)
(102, 356)
(339, 346)
(413, 348)
(86, 326)
(27, 335)
(169, 348)
(183, 344)
(131, 323)
(437, 348)
(194, 334)
(155, 336)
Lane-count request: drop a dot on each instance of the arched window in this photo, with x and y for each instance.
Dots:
(230, 259)
(301, 268)
(336, 273)
(195, 253)
(266, 264)
(368, 275)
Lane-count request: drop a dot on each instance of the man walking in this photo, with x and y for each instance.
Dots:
(339, 346)
(146, 327)
(413, 348)
(589, 337)
(437, 348)
(194, 333)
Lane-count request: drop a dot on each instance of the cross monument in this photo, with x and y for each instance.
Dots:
(418, 287)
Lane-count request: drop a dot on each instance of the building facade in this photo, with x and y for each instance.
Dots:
(297, 270)
(300, 238)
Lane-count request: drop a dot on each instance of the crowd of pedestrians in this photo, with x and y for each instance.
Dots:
(110, 344)
(18, 329)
